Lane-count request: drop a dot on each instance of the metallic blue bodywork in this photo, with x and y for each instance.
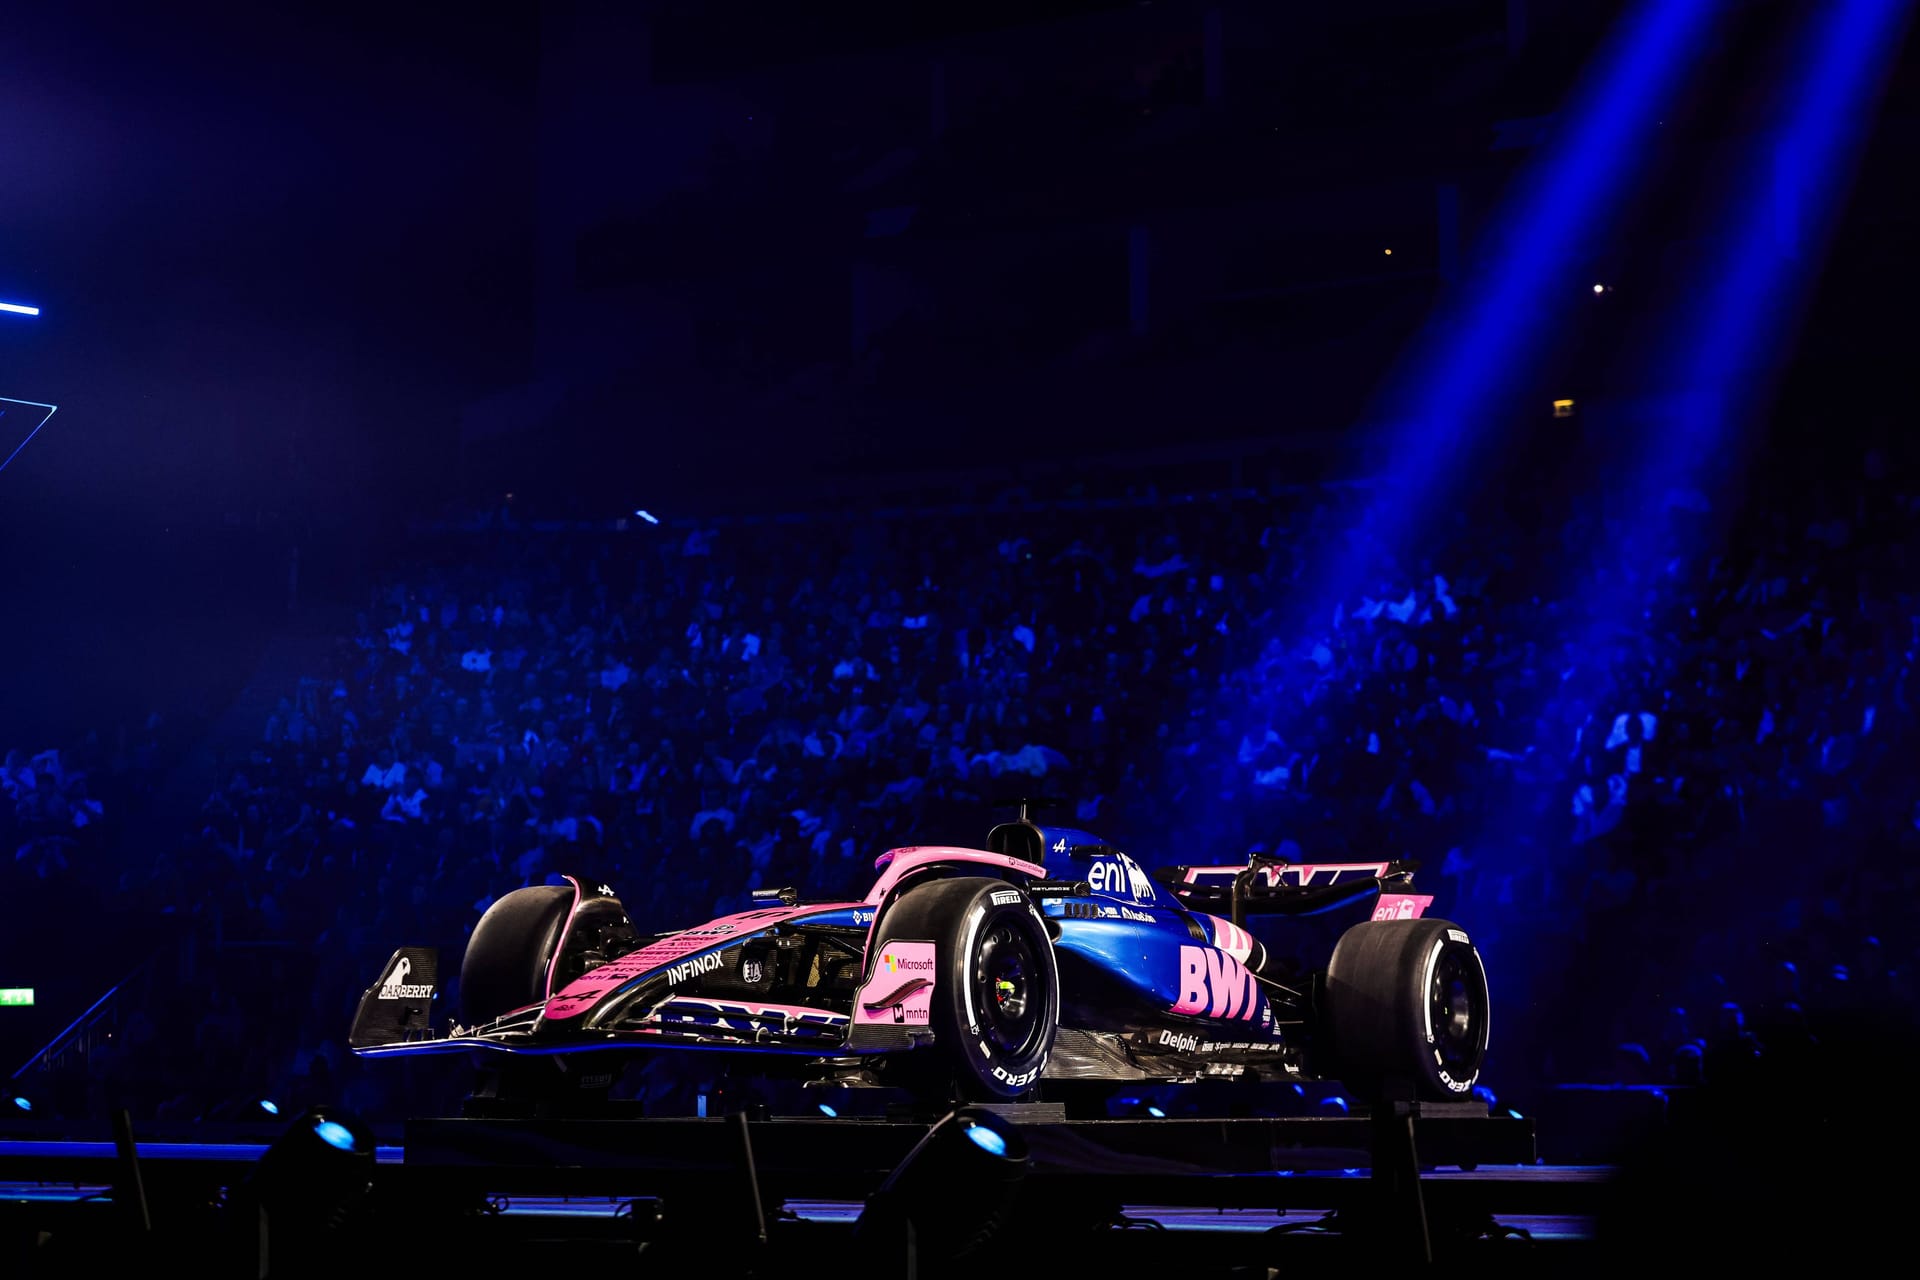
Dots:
(1080, 855)
(1133, 960)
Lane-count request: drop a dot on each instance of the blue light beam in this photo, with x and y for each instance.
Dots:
(1478, 342)
(19, 308)
(1483, 336)
(1721, 346)
(1481, 339)
(1794, 189)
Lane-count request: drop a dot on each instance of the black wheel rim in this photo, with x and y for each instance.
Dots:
(1008, 988)
(1457, 1011)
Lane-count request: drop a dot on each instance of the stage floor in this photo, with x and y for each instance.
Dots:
(1201, 1193)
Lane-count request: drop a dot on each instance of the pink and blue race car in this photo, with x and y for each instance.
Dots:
(973, 974)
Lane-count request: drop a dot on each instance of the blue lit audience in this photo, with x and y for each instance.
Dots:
(692, 713)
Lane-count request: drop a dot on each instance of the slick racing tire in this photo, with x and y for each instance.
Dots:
(996, 996)
(505, 967)
(1407, 1008)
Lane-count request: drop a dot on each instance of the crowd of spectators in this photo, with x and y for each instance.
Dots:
(56, 809)
(1698, 815)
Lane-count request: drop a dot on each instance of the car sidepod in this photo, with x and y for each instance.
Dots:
(1154, 991)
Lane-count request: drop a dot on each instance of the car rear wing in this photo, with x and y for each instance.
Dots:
(1268, 886)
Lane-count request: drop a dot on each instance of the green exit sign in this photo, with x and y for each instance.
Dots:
(16, 995)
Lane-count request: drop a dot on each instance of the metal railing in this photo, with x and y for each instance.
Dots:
(80, 1037)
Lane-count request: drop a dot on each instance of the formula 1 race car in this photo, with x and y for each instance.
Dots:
(977, 973)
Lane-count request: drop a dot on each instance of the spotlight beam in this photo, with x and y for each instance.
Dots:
(1721, 348)
(1760, 282)
(1540, 237)
(1472, 348)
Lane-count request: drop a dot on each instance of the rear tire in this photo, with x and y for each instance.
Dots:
(996, 999)
(1407, 1011)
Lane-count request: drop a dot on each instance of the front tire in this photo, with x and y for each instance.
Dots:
(504, 969)
(505, 965)
(1407, 1010)
(996, 1000)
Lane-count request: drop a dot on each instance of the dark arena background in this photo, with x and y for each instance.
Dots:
(697, 447)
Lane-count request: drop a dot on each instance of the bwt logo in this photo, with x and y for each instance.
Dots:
(1213, 983)
(901, 964)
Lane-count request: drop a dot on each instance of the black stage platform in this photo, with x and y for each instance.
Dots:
(740, 1194)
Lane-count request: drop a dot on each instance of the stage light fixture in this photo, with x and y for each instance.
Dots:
(1563, 408)
(335, 1135)
(951, 1195)
(1599, 288)
(305, 1190)
(19, 308)
(269, 1106)
(648, 516)
(22, 1103)
(987, 1140)
(1156, 1113)
(826, 1110)
(1388, 252)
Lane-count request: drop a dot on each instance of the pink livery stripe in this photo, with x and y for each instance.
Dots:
(1231, 938)
(583, 992)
